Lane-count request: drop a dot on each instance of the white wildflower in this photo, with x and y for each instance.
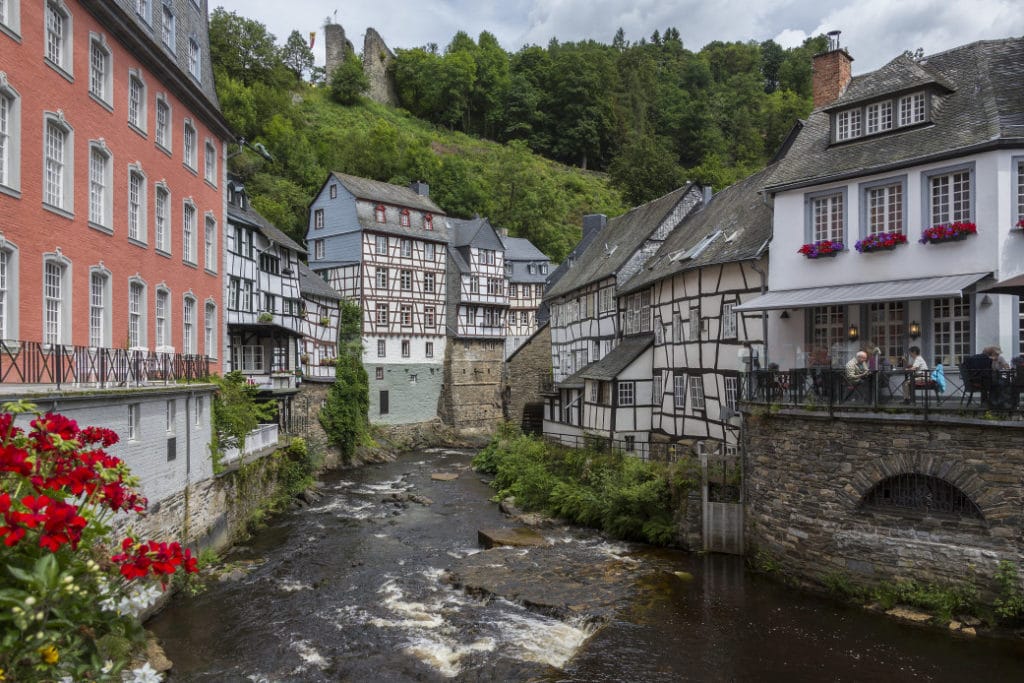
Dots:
(144, 674)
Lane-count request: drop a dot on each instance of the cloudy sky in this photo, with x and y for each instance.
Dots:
(874, 31)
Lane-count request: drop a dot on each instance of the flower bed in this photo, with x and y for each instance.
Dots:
(821, 249)
(880, 241)
(951, 232)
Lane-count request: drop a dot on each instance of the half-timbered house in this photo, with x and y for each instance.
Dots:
(585, 324)
(385, 247)
(319, 327)
(715, 260)
(264, 301)
(477, 310)
(527, 270)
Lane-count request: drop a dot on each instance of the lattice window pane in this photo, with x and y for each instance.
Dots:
(951, 320)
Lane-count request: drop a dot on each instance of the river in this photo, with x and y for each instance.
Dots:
(353, 588)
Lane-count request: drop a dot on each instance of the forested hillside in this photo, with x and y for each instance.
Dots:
(487, 129)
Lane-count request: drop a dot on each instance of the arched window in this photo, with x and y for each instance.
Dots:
(921, 493)
(210, 330)
(58, 162)
(403, 218)
(380, 213)
(428, 221)
(136, 313)
(101, 180)
(10, 136)
(56, 299)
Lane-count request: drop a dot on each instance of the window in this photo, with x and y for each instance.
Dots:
(886, 329)
(951, 320)
(188, 326)
(167, 27)
(405, 348)
(694, 323)
(638, 313)
(55, 309)
(677, 328)
(630, 442)
(210, 330)
(679, 391)
(318, 249)
(334, 192)
(9, 15)
(732, 392)
(210, 163)
(134, 423)
(383, 403)
(163, 123)
(879, 117)
(428, 349)
(494, 286)
(162, 313)
(98, 310)
(188, 232)
(171, 414)
(474, 285)
(162, 213)
(242, 241)
(269, 302)
(381, 245)
(188, 137)
(100, 204)
(247, 358)
(58, 164)
(380, 213)
(912, 109)
(381, 276)
(827, 217)
(406, 315)
(487, 257)
(403, 218)
(136, 315)
(605, 301)
(428, 317)
(210, 244)
(428, 282)
(318, 219)
(247, 298)
(950, 196)
(884, 206)
(848, 124)
(381, 348)
(405, 280)
(492, 318)
(428, 222)
(828, 331)
(8, 282)
(524, 318)
(428, 251)
(657, 389)
(58, 35)
(626, 391)
(1019, 165)
(407, 248)
(697, 392)
(136, 206)
(728, 321)
(195, 59)
(382, 313)
(136, 102)
(100, 85)
(142, 9)
(10, 136)
(513, 290)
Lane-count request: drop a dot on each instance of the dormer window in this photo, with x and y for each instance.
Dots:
(848, 124)
(879, 117)
(912, 109)
(380, 213)
(403, 218)
(428, 221)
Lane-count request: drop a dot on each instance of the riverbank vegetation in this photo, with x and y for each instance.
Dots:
(345, 415)
(236, 412)
(606, 489)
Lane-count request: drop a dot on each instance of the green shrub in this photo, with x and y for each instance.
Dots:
(943, 601)
(1009, 603)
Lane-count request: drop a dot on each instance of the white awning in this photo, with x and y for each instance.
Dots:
(865, 292)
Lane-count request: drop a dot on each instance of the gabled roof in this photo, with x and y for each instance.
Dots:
(979, 105)
(386, 193)
(473, 232)
(313, 285)
(618, 241)
(460, 263)
(522, 249)
(735, 225)
(618, 359)
(251, 217)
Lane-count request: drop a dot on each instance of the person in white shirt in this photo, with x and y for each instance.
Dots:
(917, 372)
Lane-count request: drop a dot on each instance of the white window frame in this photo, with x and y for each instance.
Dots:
(134, 422)
(732, 392)
(380, 277)
(679, 391)
(101, 70)
(189, 226)
(626, 390)
(190, 146)
(405, 280)
(58, 36)
(167, 26)
(57, 299)
(9, 285)
(10, 18)
(137, 310)
(912, 109)
(848, 124)
(319, 249)
(695, 324)
(195, 58)
(884, 206)
(144, 9)
(878, 117)
(58, 163)
(137, 206)
(429, 320)
(406, 247)
(99, 307)
(943, 208)
(162, 219)
(210, 162)
(188, 325)
(10, 138)
(382, 348)
(171, 414)
(210, 243)
(138, 104)
(164, 133)
(826, 216)
(428, 349)
(101, 182)
(381, 313)
(381, 245)
(429, 251)
(247, 358)
(162, 319)
(729, 321)
(429, 282)
(697, 392)
(318, 219)
(210, 329)
(951, 330)
(406, 348)
(405, 315)
(1018, 190)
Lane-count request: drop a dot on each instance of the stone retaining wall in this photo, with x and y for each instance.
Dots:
(807, 475)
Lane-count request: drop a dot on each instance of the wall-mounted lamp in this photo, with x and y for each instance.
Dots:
(986, 300)
(915, 329)
(785, 315)
(853, 333)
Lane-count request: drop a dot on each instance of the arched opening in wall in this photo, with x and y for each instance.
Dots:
(921, 494)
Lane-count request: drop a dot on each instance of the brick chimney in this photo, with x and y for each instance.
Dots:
(832, 72)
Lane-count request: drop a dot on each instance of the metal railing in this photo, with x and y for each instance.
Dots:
(25, 362)
(264, 436)
(993, 391)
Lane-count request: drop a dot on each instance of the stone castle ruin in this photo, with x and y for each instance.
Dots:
(377, 61)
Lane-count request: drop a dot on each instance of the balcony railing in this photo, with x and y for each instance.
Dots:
(972, 391)
(263, 437)
(24, 362)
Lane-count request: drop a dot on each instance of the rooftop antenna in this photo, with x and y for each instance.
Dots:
(833, 40)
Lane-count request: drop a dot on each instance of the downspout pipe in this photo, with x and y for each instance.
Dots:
(764, 288)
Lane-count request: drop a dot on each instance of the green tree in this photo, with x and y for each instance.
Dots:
(236, 412)
(296, 55)
(349, 81)
(345, 415)
(645, 168)
(244, 50)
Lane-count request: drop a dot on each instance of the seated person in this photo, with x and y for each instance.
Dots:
(996, 355)
(917, 373)
(857, 368)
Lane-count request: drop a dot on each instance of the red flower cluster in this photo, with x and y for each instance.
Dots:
(881, 240)
(138, 560)
(1020, 224)
(821, 248)
(945, 233)
(58, 521)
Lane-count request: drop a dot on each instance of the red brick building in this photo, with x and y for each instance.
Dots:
(112, 156)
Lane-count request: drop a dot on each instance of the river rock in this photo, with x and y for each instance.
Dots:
(969, 631)
(156, 656)
(508, 507)
(444, 476)
(955, 626)
(520, 537)
(420, 500)
(909, 615)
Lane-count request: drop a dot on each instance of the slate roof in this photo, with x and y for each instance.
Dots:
(460, 262)
(617, 242)
(522, 249)
(739, 212)
(617, 360)
(312, 284)
(386, 193)
(476, 232)
(979, 104)
(251, 217)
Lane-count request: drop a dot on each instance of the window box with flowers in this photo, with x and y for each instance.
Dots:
(880, 241)
(952, 232)
(1020, 225)
(821, 248)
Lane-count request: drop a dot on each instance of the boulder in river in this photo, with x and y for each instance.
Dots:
(520, 537)
(444, 476)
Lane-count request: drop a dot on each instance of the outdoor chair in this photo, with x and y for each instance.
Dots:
(977, 378)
